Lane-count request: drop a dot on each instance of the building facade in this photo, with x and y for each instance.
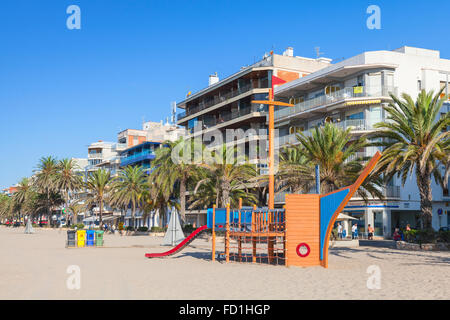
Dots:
(351, 94)
(226, 104)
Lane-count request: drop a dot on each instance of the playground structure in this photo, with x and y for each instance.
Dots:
(297, 235)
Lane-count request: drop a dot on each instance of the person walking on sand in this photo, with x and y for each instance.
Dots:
(370, 231)
(339, 228)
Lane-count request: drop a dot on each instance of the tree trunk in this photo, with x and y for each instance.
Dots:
(183, 200)
(426, 199)
(133, 217)
(226, 186)
(49, 220)
(101, 213)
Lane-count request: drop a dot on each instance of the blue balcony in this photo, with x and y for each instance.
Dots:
(137, 158)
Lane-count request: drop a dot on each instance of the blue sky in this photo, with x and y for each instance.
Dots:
(62, 89)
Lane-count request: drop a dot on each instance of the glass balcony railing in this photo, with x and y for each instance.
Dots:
(345, 93)
(355, 126)
(392, 192)
(216, 100)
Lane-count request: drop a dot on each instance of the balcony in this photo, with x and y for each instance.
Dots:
(216, 100)
(137, 157)
(334, 98)
(96, 155)
(231, 116)
(355, 126)
(392, 192)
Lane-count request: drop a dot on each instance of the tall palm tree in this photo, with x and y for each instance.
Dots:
(98, 185)
(231, 175)
(45, 179)
(334, 150)
(5, 206)
(67, 180)
(173, 168)
(128, 188)
(416, 140)
(23, 195)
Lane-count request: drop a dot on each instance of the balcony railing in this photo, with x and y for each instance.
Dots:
(211, 122)
(345, 93)
(392, 191)
(140, 156)
(216, 100)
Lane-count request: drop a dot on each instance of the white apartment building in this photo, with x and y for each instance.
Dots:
(226, 103)
(351, 94)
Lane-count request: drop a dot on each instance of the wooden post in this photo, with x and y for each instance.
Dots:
(271, 152)
(270, 240)
(254, 238)
(227, 237)
(240, 238)
(285, 239)
(214, 233)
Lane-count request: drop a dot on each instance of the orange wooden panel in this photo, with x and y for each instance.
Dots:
(302, 226)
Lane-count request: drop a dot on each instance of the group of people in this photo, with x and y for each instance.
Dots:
(398, 235)
(342, 232)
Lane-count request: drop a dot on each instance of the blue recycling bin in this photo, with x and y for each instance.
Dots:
(90, 235)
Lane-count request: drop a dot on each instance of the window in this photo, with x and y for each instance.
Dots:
(356, 116)
(419, 85)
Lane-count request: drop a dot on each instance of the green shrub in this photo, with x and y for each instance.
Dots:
(129, 228)
(142, 229)
(421, 236)
(443, 236)
(158, 229)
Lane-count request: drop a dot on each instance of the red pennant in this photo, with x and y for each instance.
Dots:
(276, 80)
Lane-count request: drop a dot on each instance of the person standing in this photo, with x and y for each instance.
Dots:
(370, 230)
(339, 228)
(354, 227)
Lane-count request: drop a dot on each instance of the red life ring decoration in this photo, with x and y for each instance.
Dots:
(303, 250)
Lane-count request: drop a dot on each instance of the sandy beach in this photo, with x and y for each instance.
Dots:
(35, 267)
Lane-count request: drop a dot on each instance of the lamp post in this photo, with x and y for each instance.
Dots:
(272, 105)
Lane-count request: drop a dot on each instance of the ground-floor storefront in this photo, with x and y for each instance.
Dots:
(385, 217)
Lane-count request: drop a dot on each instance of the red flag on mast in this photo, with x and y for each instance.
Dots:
(276, 80)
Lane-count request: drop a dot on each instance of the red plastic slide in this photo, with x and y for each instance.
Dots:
(179, 247)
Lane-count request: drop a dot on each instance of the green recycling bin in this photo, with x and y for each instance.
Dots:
(99, 238)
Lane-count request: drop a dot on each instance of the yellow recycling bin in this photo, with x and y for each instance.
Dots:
(81, 237)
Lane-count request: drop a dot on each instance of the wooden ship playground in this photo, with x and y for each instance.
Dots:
(297, 235)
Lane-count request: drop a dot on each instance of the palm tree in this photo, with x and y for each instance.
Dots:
(5, 206)
(23, 195)
(128, 188)
(416, 140)
(334, 150)
(231, 176)
(155, 201)
(98, 185)
(76, 208)
(67, 180)
(173, 168)
(45, 178)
